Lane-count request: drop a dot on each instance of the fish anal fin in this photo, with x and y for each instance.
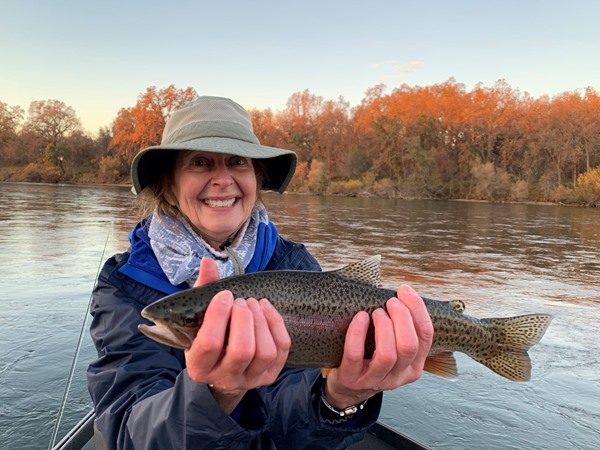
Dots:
(367, 271)
(441, 364)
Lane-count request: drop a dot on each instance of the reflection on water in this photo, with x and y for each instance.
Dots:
(543, 246)
(51, 241)
(502, 259)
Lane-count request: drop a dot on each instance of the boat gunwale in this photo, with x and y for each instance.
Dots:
(83, 432)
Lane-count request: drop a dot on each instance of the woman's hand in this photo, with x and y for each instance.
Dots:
(241, 345)
(403, 337)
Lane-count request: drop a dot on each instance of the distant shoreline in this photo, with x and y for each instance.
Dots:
(360, 195)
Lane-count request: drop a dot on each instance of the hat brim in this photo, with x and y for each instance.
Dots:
(280, 164)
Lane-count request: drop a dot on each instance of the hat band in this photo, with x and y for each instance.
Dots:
(214, 128)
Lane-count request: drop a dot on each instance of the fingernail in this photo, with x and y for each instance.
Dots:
(225, 297)
(240, 302)
(253, 304)
(265, 304)
(379, 312)
(407, 289)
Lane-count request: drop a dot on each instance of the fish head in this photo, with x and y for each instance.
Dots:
(175, 325)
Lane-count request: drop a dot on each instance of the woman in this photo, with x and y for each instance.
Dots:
(229, 392)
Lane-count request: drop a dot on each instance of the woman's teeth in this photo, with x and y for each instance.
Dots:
(220, 203)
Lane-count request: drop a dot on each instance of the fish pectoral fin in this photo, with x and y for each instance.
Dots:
(441, 364)
(325, 371)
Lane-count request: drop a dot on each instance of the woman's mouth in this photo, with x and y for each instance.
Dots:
(220, 203)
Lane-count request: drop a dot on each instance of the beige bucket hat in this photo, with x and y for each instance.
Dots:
(213, 124)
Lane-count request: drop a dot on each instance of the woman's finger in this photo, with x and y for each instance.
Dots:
(241, 345)
(353, 359)
(386, 349)
(209, 344)
(420, 318)
(265, 352)
(208, 273)
(418, 310)
(406, 342)
(414, 334)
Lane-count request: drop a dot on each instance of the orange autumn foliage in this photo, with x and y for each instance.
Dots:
(438, 141)
(141, 126)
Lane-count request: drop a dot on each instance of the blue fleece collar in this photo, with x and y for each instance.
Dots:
(143, 266)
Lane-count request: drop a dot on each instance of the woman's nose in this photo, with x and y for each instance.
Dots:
(222, 175)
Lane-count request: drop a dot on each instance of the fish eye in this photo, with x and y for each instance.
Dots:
(189, 320)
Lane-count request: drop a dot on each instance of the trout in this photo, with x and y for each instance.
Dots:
(317, 308)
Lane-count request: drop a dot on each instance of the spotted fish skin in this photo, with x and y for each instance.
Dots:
(317, 308)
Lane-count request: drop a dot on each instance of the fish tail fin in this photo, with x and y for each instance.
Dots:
(516, 335)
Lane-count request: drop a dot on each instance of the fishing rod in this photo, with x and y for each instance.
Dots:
(63, 404)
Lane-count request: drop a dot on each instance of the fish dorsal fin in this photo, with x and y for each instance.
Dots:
(367, 271)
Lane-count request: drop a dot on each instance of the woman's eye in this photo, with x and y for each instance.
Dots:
(199, 162)
(239, 161)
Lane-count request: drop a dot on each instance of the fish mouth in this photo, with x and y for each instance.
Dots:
(178, 337)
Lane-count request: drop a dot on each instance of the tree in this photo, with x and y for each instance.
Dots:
(590, 128)
(298, 122)
(333, 134)
(317, 179)
(267, 128)
(142, 125)
(52, 120)
(587, 187)
(492, 112)
(10, 118)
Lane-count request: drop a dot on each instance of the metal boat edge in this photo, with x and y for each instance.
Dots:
(379, 437)
(80, 435)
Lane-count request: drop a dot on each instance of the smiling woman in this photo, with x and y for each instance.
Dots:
(229, 389)
(216, 193)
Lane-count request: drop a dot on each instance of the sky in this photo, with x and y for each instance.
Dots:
(99, 56)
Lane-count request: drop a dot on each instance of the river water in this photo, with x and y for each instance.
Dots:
(501, 259)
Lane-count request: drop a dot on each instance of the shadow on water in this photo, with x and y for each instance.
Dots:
(501, 259)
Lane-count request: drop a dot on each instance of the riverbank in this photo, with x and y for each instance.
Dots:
(10, 175)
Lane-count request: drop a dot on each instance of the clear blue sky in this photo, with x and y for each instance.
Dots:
(99, 56)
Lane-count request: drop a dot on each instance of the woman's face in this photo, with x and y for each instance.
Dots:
(216, 192)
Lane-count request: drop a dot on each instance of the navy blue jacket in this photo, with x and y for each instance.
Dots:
(144, 398)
